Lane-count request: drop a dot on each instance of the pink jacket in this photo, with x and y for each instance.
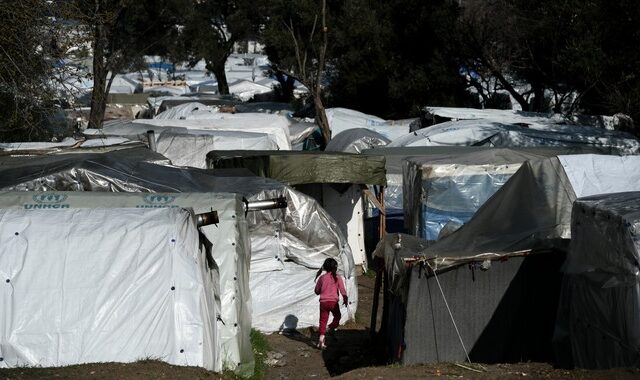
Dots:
(328, 288)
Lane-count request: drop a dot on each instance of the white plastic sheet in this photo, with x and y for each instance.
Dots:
(190, 149)
(596, 174)
(275, 125)
(227, 244)
(341, 119)
(499, 134)
(103, 285)
(286, 299)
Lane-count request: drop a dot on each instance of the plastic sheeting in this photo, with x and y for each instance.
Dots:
(440, 189)
(190, 149)
(285, 299)
(97, 292)
(274, 125)
(355, 141)
(303, 235)
(229, 248)
(227, 243)
(499, 134)
(598, 314)
(112, 143)
(537, 203)
(294, 168)
(188, 111)
(342, 119)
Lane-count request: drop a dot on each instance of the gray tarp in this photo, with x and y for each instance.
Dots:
(493, 292)
(599, 318)
(441, 188)
(356, 140)
(295, 168)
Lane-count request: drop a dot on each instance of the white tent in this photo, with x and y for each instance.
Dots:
(127, 277)
(288, 246)
(190, 149)
(342, 119)
(275, 125)
(497, 133)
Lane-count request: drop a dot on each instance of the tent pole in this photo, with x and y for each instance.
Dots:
(379, 266)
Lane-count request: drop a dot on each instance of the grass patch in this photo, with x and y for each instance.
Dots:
(370, 273)
(260, 347)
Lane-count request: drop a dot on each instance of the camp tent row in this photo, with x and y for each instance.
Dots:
(496, 281)
(299, 253)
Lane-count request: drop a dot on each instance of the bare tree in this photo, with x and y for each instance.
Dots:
(299, 39)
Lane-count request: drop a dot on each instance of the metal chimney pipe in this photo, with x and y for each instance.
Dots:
(207, 218)
(268, 204)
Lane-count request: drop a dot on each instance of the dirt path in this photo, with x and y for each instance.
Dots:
(297, 357)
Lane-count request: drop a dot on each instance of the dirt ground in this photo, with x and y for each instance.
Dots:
(350, 355)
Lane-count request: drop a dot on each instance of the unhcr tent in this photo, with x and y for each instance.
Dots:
(598, 319)
(287, 246)
(100, 277)
(334, 179)
(490, 290)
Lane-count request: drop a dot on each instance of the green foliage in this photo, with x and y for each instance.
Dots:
(260, 347)
(212, 27)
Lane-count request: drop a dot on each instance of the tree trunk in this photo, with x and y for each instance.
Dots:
(321, 118)
(221, 77)
(100, 72)
(286, 85)
(516, 95)
(538, 99)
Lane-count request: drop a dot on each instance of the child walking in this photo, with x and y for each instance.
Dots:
(328, 286)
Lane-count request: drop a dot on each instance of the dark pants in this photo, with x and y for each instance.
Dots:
(327, 307)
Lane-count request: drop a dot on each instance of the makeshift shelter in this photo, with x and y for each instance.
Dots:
(355, 141)
(287, 246)
(417, 159)
(490, 289)
(122, 277)
(334, 179)
(598, 321)
(500, 134)
(222, 124)
(447, 189)
(342, 119)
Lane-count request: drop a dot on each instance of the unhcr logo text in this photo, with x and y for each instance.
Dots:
(47, 201)
(157, 201)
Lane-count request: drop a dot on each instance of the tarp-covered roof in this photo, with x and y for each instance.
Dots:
(355, 141)
(123, 170)
(534, 206)
(500, 134)
(295, 168)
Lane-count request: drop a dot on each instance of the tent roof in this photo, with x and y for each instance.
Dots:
(301, 167)
(121, 171)
(500, 134)
(534, 206)
(355, 140)
(395, 156)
